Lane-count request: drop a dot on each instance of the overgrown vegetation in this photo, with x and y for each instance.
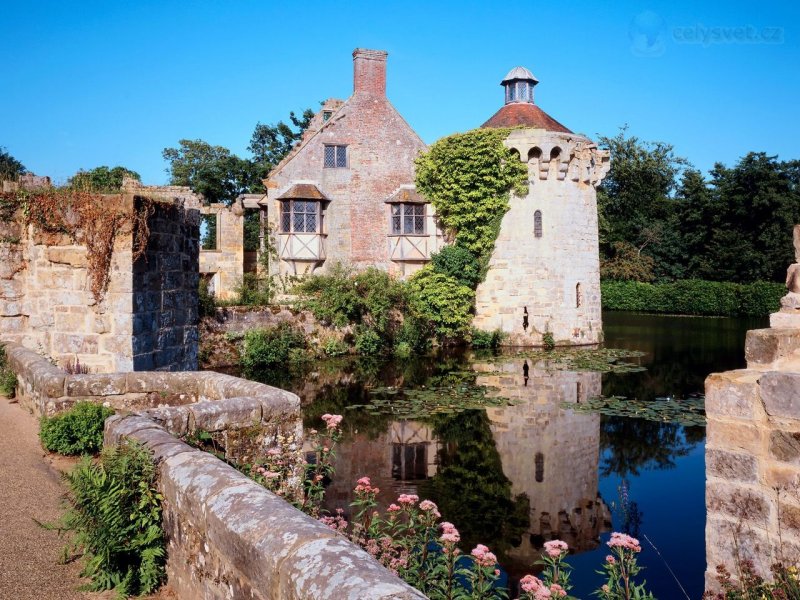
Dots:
(694, 297)
(114, 518)
(78, 430)
(101, 179)
(267, 348)
(8, 379)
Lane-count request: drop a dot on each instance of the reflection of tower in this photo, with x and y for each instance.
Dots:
(396, 461)
(544, 273)
(549, 453)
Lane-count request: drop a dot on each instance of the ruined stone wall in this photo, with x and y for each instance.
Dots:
(553, 277)
(164, 283)
(549, 453)
(147, 319)
(224, 265)
(753, 457)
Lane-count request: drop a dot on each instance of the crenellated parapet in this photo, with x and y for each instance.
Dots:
(560, 156)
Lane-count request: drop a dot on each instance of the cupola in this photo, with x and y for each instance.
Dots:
(519, 84)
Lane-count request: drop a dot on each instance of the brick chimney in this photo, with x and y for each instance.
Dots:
(369, 72)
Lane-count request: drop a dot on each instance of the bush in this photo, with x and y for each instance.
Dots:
(402, 350)
(76, 431)
(486, 339)
(207, 305)
(459, 263)
(415, 332)
(368, 342)
(548, 341)
(265, 348)
(253, 290)
(334, 347)
(443, 302)
(8, 380)
(115, 517)
(694, 297)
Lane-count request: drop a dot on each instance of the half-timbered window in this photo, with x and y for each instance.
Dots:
(300, 216)
(335, 157)
(408, 219)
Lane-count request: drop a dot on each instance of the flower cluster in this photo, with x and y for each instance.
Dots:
(536, 589)
(555, 548)
(450, 534)
(483, 557)
(364, 486)
(332, 421)
(621, 540)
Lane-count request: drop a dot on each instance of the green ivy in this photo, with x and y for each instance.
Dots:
(468, 178)
(443, 302)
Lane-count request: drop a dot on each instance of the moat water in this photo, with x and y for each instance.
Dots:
(539, 467)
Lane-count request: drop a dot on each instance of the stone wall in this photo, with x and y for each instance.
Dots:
(147, 319)
(546, 278)
(753, 457)
(224, 265)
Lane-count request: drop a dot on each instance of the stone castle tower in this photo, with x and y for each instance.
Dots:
(544, 273)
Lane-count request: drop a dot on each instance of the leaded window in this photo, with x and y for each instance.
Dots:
(300, 216)
(335, 157)
(408, 219)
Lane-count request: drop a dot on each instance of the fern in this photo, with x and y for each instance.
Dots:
(114, 516)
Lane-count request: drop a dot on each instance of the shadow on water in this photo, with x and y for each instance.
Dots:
(517, 474)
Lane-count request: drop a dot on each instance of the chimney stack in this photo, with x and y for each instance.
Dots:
(369, 72)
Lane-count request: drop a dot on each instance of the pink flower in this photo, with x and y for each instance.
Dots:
(271, 474)
(483, 557)
(363, 481)
(611, 560)
(450, 534)
(555, 548)
(530, 584)
(626, 542)
(605, 588)
(557, 591)
(332, 421)
(407, 499)
(393, 508)
(427, 505)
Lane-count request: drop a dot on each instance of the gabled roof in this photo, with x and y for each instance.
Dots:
(524, 114)
(407, 194)
(303, 191)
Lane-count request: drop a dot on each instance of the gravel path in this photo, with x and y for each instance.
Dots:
(29, 489)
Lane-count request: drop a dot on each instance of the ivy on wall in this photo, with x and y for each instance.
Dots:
(468, 177)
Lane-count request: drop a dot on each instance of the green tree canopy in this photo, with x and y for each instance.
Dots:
(10, 167)
(102, 179)
(270, 143)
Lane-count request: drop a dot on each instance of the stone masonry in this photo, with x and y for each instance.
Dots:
(147, 319)
(223, 266)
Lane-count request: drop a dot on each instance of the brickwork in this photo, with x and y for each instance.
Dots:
(552, 278)
(753, 457)
(146, 319)
(381, 148)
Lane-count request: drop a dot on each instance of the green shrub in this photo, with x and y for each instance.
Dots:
(548, 341)
(368, 342)
(415, 332)
(76, 431)
(265, 348)
(114, 515)
(443, 302)
(486, 339)
(334, 347)
(8, 379)
(402, 350)
(207, 306)
(693, 297)
(459, 263)
(253, 290)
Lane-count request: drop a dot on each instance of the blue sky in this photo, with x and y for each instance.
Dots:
(91, 83)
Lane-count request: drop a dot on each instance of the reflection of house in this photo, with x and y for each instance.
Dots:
(549, 453)
(345, 193)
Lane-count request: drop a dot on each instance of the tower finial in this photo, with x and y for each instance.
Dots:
(519, 84)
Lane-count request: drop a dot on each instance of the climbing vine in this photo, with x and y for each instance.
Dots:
(88, 219)
(468, 178)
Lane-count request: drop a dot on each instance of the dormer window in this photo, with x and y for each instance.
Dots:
(335, 157)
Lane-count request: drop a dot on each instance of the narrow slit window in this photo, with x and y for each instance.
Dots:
(537, 224)
(539, 467)
(578, 298)
(286, 216)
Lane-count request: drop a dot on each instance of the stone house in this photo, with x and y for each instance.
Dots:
(346, 192)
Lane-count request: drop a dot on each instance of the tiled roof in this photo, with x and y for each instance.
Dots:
(524, 114)
(303, 191)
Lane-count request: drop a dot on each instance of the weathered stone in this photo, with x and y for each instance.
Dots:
(173, 419)
(229, 414)
(765, 348)
(780, 393)
(733, 394)
(96, 385)
(731, 466)
(73, 256)
(785, 446)
(785, 320)
(735, 436)
(738, 501)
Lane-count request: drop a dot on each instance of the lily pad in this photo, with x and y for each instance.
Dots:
(683, 411)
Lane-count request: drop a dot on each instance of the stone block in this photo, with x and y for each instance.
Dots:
(732, 466)
(74, 256)
(165, 383)
(735, 436)
(119, 427)
(766, 347)
(162, 444)
(733, 394)
(785, 446)
(738, 501)
(785, 320)
(75, 343)
(780, 393)
(111, 384)
(174, 419)
(220, 415)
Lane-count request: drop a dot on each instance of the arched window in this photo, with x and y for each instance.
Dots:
(578, 298)
(539, 466)
(534, 153)
(555, 152)
(516, 153)
(537, 224)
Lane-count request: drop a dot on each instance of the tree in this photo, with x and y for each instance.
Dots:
(102, 179)
(10, 167)
(269, 144)
(212, 171)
